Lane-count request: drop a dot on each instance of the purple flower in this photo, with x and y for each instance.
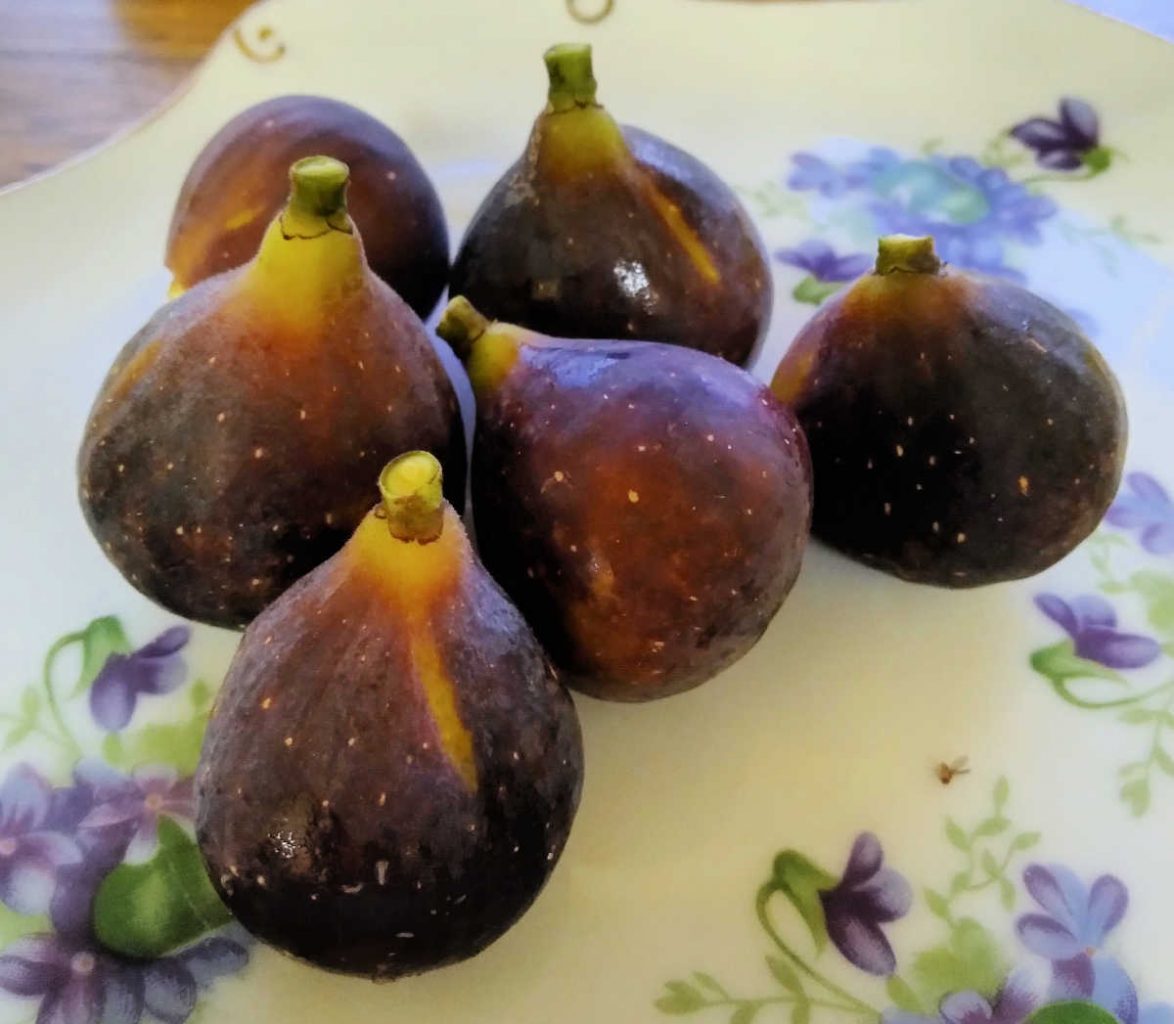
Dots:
(78, 984)
(867, 896)
(1015, 1001)
(135, 803)
(31, 853)
(820, 261)
(971, 210)
(1147, 508)
(1061, 144)
(1071, 932)
(1092, 623)
(153, 669)
(813, 173)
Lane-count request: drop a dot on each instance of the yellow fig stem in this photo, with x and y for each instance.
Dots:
(461, 325)
(487, 348)
(317, 198)
(906, 254)
(572, 80)
(411, 487)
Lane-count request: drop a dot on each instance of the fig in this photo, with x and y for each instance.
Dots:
(235, 188)
(600, 231)
(963, 431)
(392, 767)
(227, 450)
(645, 506)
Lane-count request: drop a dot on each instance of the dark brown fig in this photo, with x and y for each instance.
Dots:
(645, 506)
(392, 767)
(236, 187)
(963, 431)
(227, 452)
(600, 231)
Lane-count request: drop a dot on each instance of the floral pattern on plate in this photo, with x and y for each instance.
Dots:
(997, 212)
(107, 916)
(1063, 971)
(1117, 658)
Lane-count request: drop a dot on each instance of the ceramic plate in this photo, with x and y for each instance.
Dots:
(903, 804)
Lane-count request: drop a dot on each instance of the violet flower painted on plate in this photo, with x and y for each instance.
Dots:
(1064, 969)
(1116, 653)
(106, 915)
(997, 212)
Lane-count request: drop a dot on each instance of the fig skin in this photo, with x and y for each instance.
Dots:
(345, 821)
(645, 506)
(236, 187)
(963, 431)
(229, 449)
(603, 232)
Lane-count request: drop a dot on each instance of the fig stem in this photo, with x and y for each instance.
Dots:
(906, 254)
(572, 81)
(317, 198)
(411, 487)
(461, 326)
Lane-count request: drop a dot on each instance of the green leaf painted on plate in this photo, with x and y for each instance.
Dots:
(30, 702)
(970, 960)
(100, 639)
(990, 865)
(1157, 590)
(801, 881)
(745, 1014)
(957, 835)
(200, 695)
(938, 904)
(1007, 893)
(1137, 795)
(14, 925)
(992, 826)
(147, 910)
(176, 744)
(802, 1012)
(681, 998)
(1002, 792)
(1076, 1012)
(17, 734)
(902, 995)
(1164, 761)
(1098, 159)
(710, 982)
(1060, 663)
(1025, 841)
(784, 974)
(814, 292)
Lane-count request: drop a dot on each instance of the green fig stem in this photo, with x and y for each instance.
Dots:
(906, 254)
(413, 497)
(572, 81)
(461, 326)
(317, 198)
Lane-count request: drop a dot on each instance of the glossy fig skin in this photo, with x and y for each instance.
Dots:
(333, 820)
(646, 507)
(591, 258)
(230, 451)
(963, 431)
(237, 186)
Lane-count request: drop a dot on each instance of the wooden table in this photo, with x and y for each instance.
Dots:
(73, 72)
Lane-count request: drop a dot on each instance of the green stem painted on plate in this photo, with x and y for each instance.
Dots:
(1061, 687)
(762, 909)
(65, 737)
